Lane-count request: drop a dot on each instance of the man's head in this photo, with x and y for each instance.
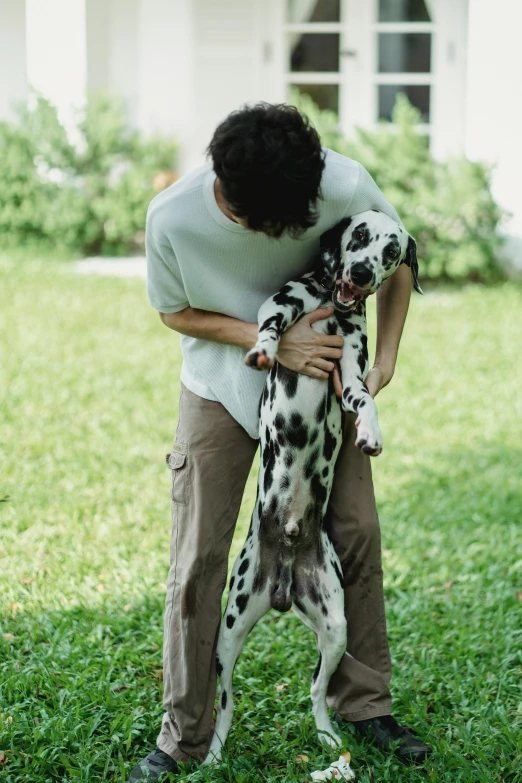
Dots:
(269, 163)
(362, 251)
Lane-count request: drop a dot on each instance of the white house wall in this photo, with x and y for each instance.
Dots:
(494, 103)
(56, 52)
(232, 59)
(13, 83)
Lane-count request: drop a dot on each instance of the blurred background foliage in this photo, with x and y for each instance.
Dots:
(446, 205)
(86, 190)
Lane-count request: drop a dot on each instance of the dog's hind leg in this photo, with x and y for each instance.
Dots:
(244, 608)
(323, 611)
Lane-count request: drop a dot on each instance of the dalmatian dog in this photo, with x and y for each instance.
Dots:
(288, 560)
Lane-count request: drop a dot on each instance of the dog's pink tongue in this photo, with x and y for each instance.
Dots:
(345, 293)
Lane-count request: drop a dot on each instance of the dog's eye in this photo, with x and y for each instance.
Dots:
(357, 235)
(393, 254)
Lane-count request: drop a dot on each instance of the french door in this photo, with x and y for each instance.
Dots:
(354, 56)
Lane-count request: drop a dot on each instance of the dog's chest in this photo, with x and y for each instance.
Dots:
(300, 436)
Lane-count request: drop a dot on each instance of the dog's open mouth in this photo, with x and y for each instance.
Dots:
(347, 295)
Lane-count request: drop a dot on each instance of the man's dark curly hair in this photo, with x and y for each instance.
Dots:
(269, 162)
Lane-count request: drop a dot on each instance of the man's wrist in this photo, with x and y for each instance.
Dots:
(386, 367)
(247, 336)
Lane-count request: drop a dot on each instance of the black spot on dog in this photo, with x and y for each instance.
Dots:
(331, 327)
(325, 471)
(289, 459)
(259, 581)
(284, 299)
(297, 431)
(312, 592)
(219, 667)
(318, 490)
(317, 669)
(324, 610)
(241, 584)
(330, 442)
(243, 568)
(310, 464)
(321, 410)
(230, 620)
(232, 580)
(279, 422)
(274, 323)
(224, 700)
(241, 602)
(288, 379)
(284, 483)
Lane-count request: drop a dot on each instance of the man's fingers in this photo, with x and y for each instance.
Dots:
(338, 386)
(315, 372)
(327, 353)
(322, 364)
(332, 340)
(323, 312)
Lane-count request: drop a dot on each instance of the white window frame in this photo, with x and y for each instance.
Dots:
(358, 77)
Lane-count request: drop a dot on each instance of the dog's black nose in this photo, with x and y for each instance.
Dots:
(360, 274)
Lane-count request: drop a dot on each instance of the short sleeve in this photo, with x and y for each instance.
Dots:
(165, 287)
(368, 196)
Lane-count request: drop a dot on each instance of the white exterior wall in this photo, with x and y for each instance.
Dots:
(234, 62)
(494, 101)
(13, 83)
(56, 52)
(165, 71)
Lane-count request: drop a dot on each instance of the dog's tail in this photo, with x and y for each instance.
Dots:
(281, 599)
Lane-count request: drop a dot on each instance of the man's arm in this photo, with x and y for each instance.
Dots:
(300, 349)
(393, 299)
(206, 325)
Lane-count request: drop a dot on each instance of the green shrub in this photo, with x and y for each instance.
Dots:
(446, 205)
(87, 190)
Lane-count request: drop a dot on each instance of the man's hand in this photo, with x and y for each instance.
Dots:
(303, 350)
(377, 379)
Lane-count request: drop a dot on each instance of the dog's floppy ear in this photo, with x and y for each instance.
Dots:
(410, 259)
(330, 245)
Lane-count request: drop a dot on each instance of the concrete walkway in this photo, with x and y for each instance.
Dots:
(134, 266)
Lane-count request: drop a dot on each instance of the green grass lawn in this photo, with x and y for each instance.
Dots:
(89, 383)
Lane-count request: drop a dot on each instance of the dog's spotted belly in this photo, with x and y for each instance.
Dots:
(300, 436)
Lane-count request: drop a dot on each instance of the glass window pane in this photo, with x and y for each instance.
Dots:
(417, 94)
(404, 52)
(326, 96)
(314, 52)
(403, 11)
(298, 11)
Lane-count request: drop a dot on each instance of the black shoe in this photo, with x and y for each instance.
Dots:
(385, 732)
(154, 766)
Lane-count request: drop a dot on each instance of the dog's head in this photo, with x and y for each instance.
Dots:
(361, 252)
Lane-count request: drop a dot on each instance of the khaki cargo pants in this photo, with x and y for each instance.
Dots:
(210, 462)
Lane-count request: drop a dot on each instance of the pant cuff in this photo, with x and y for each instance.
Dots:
(173, 751)
(375, 711)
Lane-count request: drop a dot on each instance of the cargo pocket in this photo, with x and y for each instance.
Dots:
(177, 462)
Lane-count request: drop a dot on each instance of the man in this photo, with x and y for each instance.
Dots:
(219, 242)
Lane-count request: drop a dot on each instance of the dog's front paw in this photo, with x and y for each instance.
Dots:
(369, 438)
(259, 359)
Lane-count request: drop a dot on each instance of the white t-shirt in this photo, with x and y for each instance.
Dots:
(197, 257)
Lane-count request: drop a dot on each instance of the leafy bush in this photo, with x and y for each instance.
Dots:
(87, 190)
(446, 205)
